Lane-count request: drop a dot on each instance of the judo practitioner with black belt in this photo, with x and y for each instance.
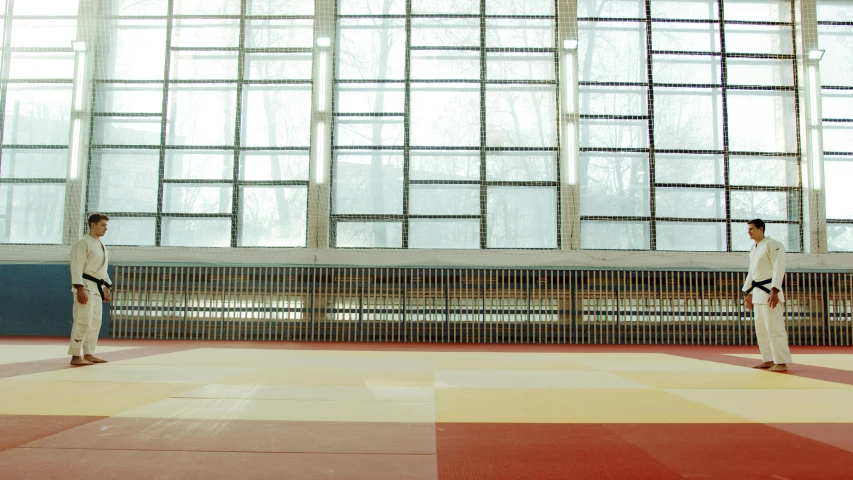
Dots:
(763, 288)
(92, 284)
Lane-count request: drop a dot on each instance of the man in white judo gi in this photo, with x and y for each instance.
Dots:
(91, 287)
(763, 288)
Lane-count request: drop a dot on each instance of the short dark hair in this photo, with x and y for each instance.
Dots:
(96, 218)
(759, 223)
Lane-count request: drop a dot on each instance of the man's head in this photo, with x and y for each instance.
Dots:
(98, 224)
(755, 229)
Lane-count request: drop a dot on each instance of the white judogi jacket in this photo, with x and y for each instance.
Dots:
(766, 261)
(89, 256)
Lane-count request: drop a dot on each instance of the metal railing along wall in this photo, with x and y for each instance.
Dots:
(466, 305)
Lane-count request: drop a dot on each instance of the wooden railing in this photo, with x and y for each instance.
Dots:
(466, 305)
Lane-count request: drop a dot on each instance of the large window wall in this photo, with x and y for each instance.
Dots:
(441, 123)
(35, 111)
(835, 37)
(202, 115)
(688, 123)
(445, 125)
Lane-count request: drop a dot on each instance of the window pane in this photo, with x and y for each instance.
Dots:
(690, 202)
(615, 235)
(749, 71)
(371, 49)
(765, 205)
(201, 115)
(207, 7)
(124, 181)
(369, 235)
(521, 167)
(612, 52)
(614, 133)
(127, 131)
(179, 198)
(520, 66)
(135, 50)
(55, 7)
(442, 65)
(764, 171)
(130, 231)
(519, 33)
(612, 8)
(189, 65)
(20, 201)
(444, 165)
(758, 10)
(762, 121)
(696, 69)
(33, 163)
(522, 217)
(758, 39)
(37, 115)
(677, 9)
(687, 37)
(368, 182)
(515, 7)
(372, 7)
(279, 33)
(837, 103)
(196, 232)
(596, 100)
(446, 32)
(123, 98)
(44, 33)
(205, 33)
(448, 115)
(199, 165)
(695, 237)
(38, 66)
(369, 131)
(280, 7)
(836, 67)
(689, 119)
(614, 185)
(138, 7)
(277, 116)
(274, 216)
(444, 233)
(521, 116)
(278, 66)
(444, 199)
(839, 200)
(370, 98)
(689, 168)
(275, 166)
(836, 137)
(839, 237)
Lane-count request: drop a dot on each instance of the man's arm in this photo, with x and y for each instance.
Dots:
(79, 252)
(777, 260)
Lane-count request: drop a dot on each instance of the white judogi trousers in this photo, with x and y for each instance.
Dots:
(87, 325)
(771, 334)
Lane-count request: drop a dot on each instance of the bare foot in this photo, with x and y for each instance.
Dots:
(79, 361)
(764, 365)
(779, 367)
(94, 359)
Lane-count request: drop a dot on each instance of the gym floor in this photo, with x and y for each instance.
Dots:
(233, 410)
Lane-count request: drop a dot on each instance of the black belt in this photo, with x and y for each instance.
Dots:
(101, 283)
(760, 285)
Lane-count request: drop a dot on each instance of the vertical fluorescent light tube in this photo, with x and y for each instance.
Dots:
(813, 86)
(570, 80)
(571, 153)
(321, 84)
(79, 81)
(75, 150)
(320, 173)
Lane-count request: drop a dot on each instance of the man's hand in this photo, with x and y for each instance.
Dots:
(748, 302)
(774, 298)
(107, 295)
(82, 298)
